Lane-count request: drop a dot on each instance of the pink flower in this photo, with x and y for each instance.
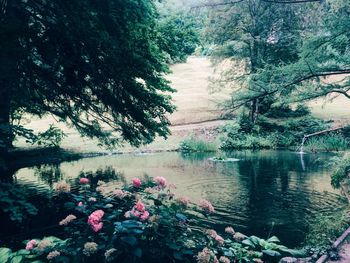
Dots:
(219, 239)
(160, 181)
(230, 230)
(94, 220)
(135, 213)
(80, 204)
(140, 206)
(206, 206)
(136, 182)
(53, 254)
(96, 227)
(139, 211)
(31, 244)
(84, 180)
(144, 216)
(184, 201)
(62, 187)
(212, 233)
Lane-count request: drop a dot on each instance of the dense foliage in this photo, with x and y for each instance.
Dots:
(142, 222)
(284, 51)
(94, 65)
(280, 128)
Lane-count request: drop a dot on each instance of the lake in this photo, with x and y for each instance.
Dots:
(263, 193)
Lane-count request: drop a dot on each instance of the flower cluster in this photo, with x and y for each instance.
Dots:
(62, 187)
(31, 244)
(217, 237)
(67, 220)
(139, 210)
(206, 256)
(53, 254)
(84, 180)
(136, 182)
(161, 182)
(206, 206)
(184, 201)
(90, 248)
(44, 244)
(94, 220)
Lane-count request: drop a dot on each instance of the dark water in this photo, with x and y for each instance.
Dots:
(264, 193)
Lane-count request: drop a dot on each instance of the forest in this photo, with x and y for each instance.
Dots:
(175, 131)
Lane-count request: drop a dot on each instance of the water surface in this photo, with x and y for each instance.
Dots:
(264, 193)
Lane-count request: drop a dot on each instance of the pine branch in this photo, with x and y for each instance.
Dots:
(244, 101)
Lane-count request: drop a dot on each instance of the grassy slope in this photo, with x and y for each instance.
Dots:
(194, 104)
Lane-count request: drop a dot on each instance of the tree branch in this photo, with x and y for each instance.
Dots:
(243, 101)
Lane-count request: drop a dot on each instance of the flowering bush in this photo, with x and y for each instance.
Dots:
(142, 222)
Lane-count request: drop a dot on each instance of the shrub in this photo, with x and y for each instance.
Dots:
(196, 145)
(326, 228)
(141, 222)
(329, 142)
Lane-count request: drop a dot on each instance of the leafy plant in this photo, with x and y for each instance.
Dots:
(197, 145)
(144, 222)
(13, 201)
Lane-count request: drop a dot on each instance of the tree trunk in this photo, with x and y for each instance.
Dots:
(6, 134)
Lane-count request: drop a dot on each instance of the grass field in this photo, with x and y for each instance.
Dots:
(196, 108)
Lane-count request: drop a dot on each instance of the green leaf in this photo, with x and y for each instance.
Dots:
(5, 254)
(271, 253)
(132, 241)
(273, 239)
(295, 252)
(248, 242)
(16, 259)
(22, 252)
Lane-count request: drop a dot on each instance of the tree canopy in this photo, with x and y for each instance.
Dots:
(96, 65)
(286, 47)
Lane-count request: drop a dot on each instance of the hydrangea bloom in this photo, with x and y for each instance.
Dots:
(205, 256)
(84, 180)
(89, 248)
(44, 244)
(160, 181)
(31, 244)
(223, 259)
(139, 210)
(94, 220)
(212, 233)
(206, 206)
(67, 220)
(53, 254)
(62, 187)
(136, 182)
(229, 230)
(109, 254)
(184, 201)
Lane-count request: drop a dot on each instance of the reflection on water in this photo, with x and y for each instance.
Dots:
(265, 193)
